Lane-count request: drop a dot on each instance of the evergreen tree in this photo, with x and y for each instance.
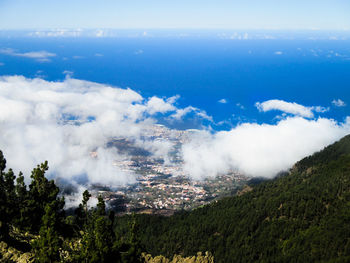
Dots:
(131, 250)
(98, 241)
(86, 197)
(101, 206)
(48, 245)
(9, 185)
(3, 200)
(41, 192)
(21, 200)
(80, 217)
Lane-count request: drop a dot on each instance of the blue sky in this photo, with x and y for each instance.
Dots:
(224, 14)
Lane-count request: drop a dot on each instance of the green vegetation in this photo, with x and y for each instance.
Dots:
(303, 216)
(300, 216)
(34, 226)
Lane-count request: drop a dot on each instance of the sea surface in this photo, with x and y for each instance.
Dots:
(201, 71)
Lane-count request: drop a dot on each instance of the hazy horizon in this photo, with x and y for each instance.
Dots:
(252, 14)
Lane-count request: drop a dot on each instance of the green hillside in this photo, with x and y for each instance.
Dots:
(300, 216)
(303, 216)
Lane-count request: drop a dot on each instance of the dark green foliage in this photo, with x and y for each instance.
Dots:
(332, 152)
(300, 217)
(8, 198)
(80, 217)
(49, 243)
(101, 207)
(41, 192)
(3, 200)
(98, 240)
(2, 163)
(40, 210)
(86, 197)
(38, 207)
(21, 199)
(131, 250)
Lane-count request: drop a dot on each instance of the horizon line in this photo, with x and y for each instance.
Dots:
(173, 28)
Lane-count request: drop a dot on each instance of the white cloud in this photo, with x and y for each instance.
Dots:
(156, 104)
(338, 103)
(223, 101)
(320, 109)
(289, 107)
(278, 53)
(180, 113)
(42, 56)
(259, 150)
(63, 122)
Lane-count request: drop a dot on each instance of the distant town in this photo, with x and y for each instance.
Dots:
(163, 187)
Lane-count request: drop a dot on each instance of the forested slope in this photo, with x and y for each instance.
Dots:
(303, 216)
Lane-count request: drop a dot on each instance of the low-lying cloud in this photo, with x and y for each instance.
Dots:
(41, 56)
(70, 123)
(259, 149)
(65, 122)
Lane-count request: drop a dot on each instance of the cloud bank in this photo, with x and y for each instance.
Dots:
(259, 149)
(70, 122)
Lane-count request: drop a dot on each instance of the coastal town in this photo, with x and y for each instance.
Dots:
(162, 187)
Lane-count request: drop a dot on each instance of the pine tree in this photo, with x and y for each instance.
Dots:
(131, 251)
(98, 241)
(41, 192)
(86, 197)
(9, 185)
(80, 216)
(101, 206)
(2, 164)
(3, 200)
(48, 245)
(21, 200)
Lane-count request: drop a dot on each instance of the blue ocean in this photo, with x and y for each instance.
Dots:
(202, 71)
